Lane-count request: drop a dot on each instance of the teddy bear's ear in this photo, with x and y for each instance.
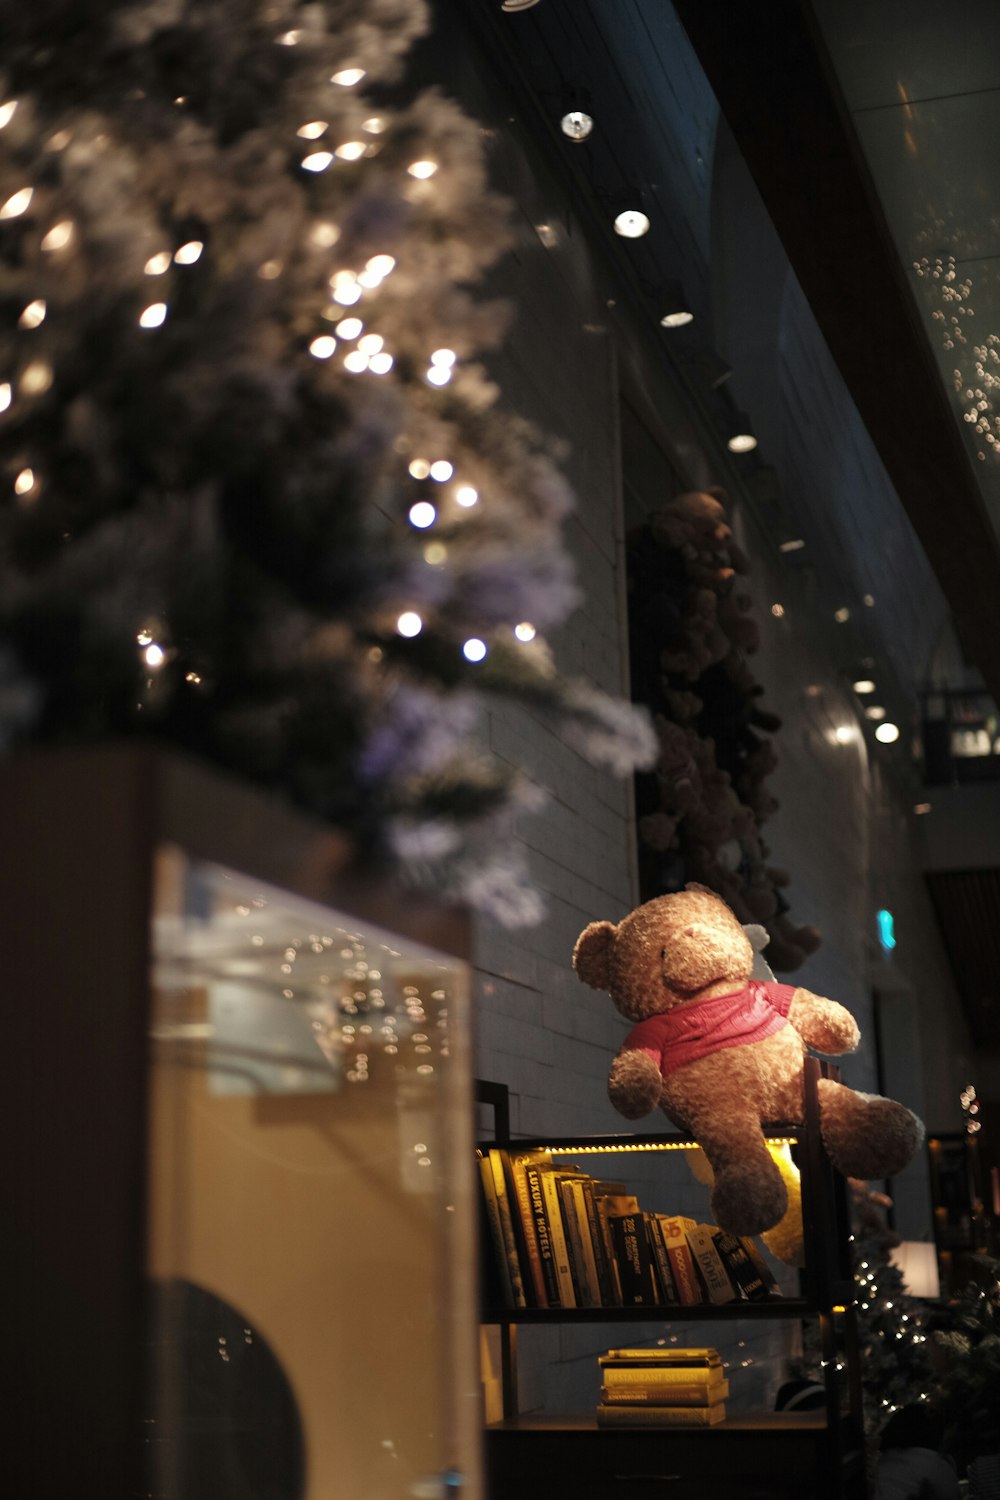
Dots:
(592, 954)
(758, 935)
(704, 890)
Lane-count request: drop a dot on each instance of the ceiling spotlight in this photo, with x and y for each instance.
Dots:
(741, 437)
(795, 545)
(887, 733)
(863, 685)
(631, 223)
(675, 308)
(576, 124)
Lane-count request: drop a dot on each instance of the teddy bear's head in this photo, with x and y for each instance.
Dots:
(666, 952)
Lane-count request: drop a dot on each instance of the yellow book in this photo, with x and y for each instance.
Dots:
(666, 1393)
(660, 1416)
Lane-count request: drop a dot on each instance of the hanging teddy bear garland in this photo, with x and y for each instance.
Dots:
(702, 807)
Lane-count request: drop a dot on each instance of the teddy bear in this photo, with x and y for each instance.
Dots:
(721, 1053)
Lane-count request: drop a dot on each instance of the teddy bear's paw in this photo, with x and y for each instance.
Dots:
(748, 1200)
(866, 1135)
(634, 1085)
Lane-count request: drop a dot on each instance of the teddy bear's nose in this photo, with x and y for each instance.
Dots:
(691, 931)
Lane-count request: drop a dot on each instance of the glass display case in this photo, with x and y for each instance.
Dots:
(246, 1237)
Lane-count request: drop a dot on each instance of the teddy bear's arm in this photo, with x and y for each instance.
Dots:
(634, 1083)
(823, 1024)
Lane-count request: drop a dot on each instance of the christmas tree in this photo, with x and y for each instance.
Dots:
(261, 498)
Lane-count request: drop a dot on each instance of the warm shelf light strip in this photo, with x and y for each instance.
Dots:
(772, 1140)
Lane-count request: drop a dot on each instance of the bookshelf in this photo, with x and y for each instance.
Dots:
(764, 1455)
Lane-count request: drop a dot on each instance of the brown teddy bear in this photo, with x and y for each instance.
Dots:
(721, 1053)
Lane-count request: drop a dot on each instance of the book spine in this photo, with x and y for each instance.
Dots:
(680, 1355)
(710, 1267)
(507, 1228)
(739, 1265)
(603, 1217)
(496, 1233)
(660, 1416)
(763, 1269)
(635, 1266)
(557, 1235)
(661, 1260)
(626, 1375)
(544, 1240)
(574, 1245)
(605, 1281)
(675, 1229)
(522, 1198)
(665, 1395)
(586, 1258)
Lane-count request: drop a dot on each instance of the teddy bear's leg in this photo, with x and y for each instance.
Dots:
(864, 1134)
(749, 1194)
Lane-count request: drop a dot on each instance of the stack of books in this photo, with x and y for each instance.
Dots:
(662, 1388)
(563, 1239)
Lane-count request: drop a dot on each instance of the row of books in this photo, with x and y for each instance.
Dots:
(662, 1388)
(561, 1238)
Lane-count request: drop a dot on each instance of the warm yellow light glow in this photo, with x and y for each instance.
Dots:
(921, 808)
(443, 357)
(5, 394)
(627, 1146)
(189, 253)
(153, 315)
(887, 733)
(422, 169)
(742, 442)
(270, 270)
(435, 553)
(313, 129)
(347, 293)
(380, 265)
(842, 615)
(677, 319)
(441, 470)
(350, 150)
(875, 711)
(525, 632)
(409, 623)
(371, 343)
(157, 264)
(374, 125)
(59, 235)
(17, 203)
(33, 314)
(863, 685)
(380, 364)
(777, 610)
(438, 375)
(36, 378)
(466, 495)
(154, 656)
(843, 734)
(838, 1308)
(349, 328)
(323, 346)
(324, 234)
(419, 468)
(7, 112)
(24, 482)
(288, 38)
(347, 77)
(317, 161)
(356, 362)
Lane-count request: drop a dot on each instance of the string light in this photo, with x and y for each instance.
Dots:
(441, 470)
(59, 236)
(422, 169)
(443, 357)
(157, 264)
(313, 129)
(349, 328)
(842, 615)
(381, 364)
(323, 346)
(153, 315)
(7, 112)
(438, 375)
(25, 482)
(380, 265)
(422, 514)
(524, 631)
(350, 150)
(36, 378)
(371, 343)
(33, 314)
(474, 649)
(154, 656)
(409, 623)
(419, 468)
(189, 253)
(17, 203)
(356, 362)
(270, 270)
(374, 125)
(346, 78)
(5, 394)
(887, 733)
(466, 496)
(317, 161)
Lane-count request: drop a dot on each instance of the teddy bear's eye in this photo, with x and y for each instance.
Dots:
(663, 952)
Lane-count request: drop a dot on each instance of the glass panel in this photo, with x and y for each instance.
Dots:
(311, 1220)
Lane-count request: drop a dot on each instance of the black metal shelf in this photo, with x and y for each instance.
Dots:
(725, 1312)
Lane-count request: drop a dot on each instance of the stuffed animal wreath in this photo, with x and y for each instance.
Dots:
(721, 1053)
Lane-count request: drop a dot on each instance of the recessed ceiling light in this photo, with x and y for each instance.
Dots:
(631, 223)
(576, 124)
(887, 733)
(741, 442)
(863, 685)
(795, 545)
